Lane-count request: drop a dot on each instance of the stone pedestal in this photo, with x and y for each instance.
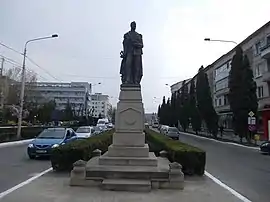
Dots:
(128, 165)
(129, 146)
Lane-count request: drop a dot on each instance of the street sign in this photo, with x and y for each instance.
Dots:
(251, 114)
(251, 120)
(251, 127)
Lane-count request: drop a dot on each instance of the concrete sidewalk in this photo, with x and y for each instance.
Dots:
(53, 187)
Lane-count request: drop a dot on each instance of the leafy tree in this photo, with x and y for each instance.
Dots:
(158, 113)
(173, 108)
(205, 104)
(168, 112)
(193, 109)
(113, 115)
(44, 112)
(184, 106)
(68, 112)
(242, 94)
(163, 111)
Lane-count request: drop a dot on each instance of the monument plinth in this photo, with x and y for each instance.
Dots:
(129, 146)
(128, 165)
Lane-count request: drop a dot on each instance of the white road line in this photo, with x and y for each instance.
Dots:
(8, 144)
(235, 193)
(12, 189)
(231, 143)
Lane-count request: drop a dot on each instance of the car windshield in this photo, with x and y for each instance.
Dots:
(83, 130)
(97, 128)
(173, 130)
(101, 122)
(52, 134)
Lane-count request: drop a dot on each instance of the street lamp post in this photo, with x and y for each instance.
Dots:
(23, 82)
(225, 41)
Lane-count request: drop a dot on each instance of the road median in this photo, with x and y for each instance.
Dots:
(54, 187)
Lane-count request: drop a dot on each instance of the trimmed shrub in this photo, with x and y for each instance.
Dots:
(63, 157)
(191, 158)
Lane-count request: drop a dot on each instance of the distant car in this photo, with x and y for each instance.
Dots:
(155, 125)
(84, 131)
(110, 125)
(172, 132)
(48, 139)
(102, 127)
(97, 130)
(265, 147)
(163, 129)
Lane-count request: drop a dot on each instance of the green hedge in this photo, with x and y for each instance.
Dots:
(63, 157)
(191, 158)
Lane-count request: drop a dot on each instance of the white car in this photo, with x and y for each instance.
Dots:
(85, 131)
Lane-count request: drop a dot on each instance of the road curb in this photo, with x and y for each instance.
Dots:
(230, 143)
(20, 142)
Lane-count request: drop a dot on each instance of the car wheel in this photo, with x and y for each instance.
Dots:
(32, 156)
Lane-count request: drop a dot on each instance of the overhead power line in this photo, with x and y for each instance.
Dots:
(31, 60)
(10, 48)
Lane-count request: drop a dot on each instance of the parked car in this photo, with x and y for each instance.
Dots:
(84, 131)
(97, 130)
(102, 127)
(163, 129)
(155, 125)
(146, 125)
(48, 139)
(265, 147)
(172, 132)
(110, 125)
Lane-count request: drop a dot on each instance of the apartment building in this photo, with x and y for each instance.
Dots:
(75, 93)
(100, 105)
(257, 48)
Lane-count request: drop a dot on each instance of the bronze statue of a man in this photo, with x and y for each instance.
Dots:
(131, 66)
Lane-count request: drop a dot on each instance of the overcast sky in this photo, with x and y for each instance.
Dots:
(91, 33)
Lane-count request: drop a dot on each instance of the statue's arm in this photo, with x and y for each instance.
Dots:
(139, 44)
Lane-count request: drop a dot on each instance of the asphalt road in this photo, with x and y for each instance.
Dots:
(244, 170)
(16, 167)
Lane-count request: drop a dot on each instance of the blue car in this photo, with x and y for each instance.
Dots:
(48, 139)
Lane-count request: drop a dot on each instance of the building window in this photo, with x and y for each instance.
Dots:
(222, 84)
(258, 70)
(257, 48)
(226, 101)
(219, 102)
(260, 91)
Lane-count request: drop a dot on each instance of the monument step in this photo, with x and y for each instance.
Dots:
(125, 151)
(126, 185)
(127, 172)
(151, 160)
(95, 170)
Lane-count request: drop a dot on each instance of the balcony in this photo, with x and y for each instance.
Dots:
(262, 102)
(222, 91)
(265, 51)
(266, 76)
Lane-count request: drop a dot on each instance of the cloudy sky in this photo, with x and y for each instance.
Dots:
(91, 32)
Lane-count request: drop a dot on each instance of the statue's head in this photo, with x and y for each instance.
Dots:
(133, 26)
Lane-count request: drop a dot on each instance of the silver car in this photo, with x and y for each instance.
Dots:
(172, 132)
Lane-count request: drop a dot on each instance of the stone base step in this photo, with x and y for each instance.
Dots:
(124, 151)
(151, 160)
(126, 185)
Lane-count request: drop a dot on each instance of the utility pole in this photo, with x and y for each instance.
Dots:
(21, 96)
(2, 66)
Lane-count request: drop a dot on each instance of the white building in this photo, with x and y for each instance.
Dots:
(100, 105)
(75, 93)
